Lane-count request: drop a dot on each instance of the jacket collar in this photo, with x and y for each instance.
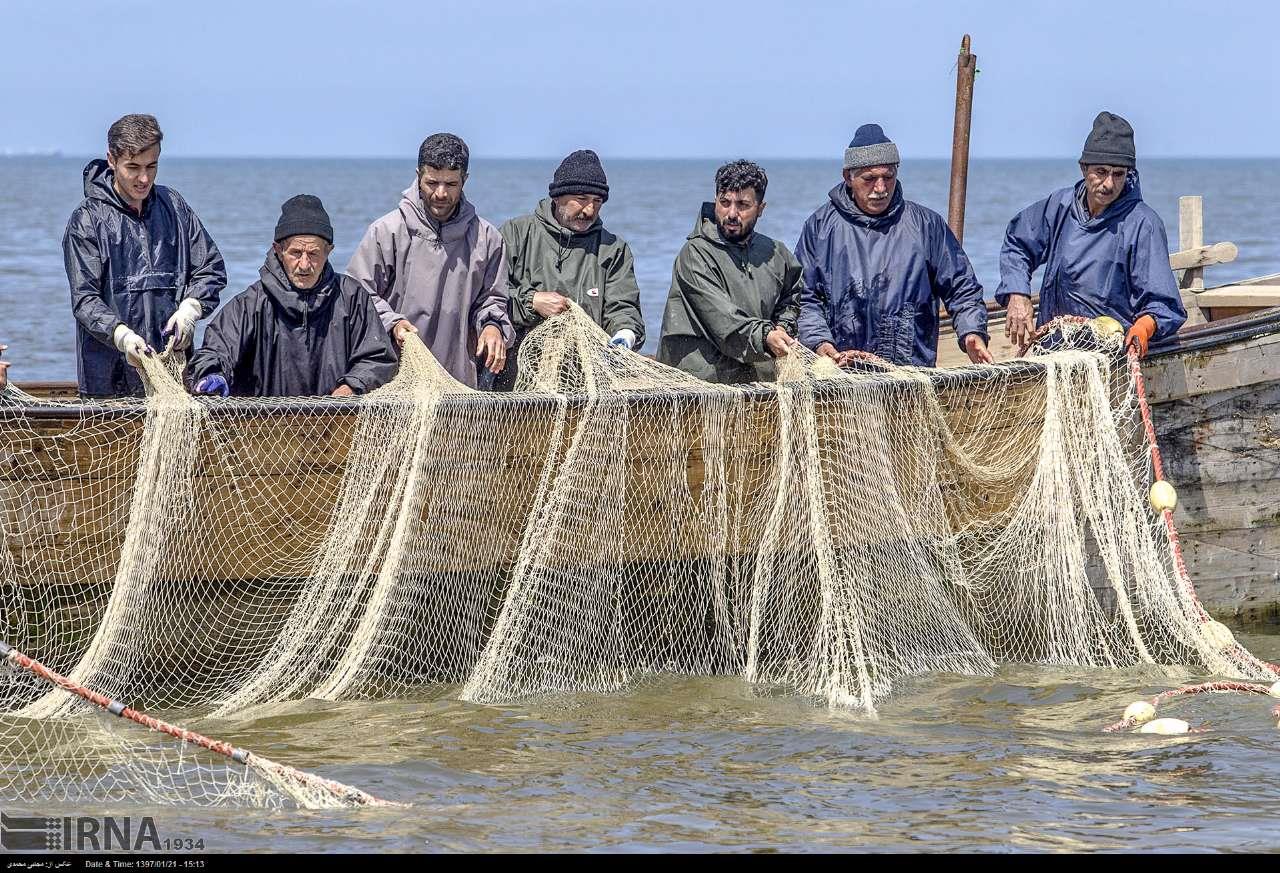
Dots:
(1130, 197)
(546, 214)
(847, 207)
(295, 303)
(99, 184)
(421, 221)
(705, 227)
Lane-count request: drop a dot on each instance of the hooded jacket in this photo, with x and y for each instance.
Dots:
(448, 279)
(275, 340)
(1115, 263)
(725, 298)
(131, 268)
(873, 282)
(594, 269)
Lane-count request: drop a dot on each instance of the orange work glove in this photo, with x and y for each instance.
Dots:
(1141, 333)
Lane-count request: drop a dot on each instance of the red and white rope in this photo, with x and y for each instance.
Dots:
(341, 792)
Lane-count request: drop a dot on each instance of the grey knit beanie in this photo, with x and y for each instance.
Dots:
(870, 148)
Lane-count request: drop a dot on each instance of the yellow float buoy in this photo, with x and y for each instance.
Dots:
(1218, 635)
(1165, 727)
(1139, 711)
(1105, 325)
(1162, 496)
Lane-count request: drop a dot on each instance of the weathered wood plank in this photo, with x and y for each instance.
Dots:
(1241, 296)
(1191, 236)
(1200, 256)
(1244, 363)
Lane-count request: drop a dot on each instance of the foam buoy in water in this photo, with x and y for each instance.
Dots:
(1274, 690)
(1218, 635)
(1165, 727)
(1139, 711)
(1105, 325)
(1162, 496)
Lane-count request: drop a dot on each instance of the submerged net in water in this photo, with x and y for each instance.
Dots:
(612, 518)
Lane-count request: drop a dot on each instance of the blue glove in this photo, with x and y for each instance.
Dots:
(214, 384)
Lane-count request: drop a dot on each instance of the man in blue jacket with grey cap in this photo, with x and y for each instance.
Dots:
(1103, 250)
(876, 266)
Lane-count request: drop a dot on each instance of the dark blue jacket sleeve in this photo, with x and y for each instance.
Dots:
(1026, 242)
(83, 261)
(1152, 289)
(372, 361)
(813, 327)
(786, 312)
(207, 274)
(955, 283)
(226, 339)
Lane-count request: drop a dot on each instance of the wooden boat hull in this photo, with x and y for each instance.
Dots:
(1215, 397)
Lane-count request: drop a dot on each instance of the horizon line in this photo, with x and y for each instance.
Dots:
(57, 153)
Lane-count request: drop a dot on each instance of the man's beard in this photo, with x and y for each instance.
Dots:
(564, 220)
(744, 230)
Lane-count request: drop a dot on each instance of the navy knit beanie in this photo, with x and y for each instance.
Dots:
(304, 214)
(870, 148)
(1110, 142)
(580, 173)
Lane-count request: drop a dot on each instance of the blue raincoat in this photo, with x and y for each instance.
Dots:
(873, 282)
(132, 269)
(1115, 264)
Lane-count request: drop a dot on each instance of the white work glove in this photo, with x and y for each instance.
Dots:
(133, 346)
(182, 324)
(624, 338)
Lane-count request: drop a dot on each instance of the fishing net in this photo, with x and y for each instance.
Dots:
(613, 518)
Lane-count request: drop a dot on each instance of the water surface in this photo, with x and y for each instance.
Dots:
(1014, 762)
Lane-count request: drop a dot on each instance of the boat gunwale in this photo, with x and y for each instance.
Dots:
(949, 378)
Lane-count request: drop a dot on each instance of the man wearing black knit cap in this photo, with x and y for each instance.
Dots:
(561, 253)
(301, 329)
(1104, 251)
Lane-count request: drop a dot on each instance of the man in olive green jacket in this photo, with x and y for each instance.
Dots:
(562, 252)
(735, 293)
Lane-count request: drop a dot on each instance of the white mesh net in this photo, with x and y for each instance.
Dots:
(831, 533)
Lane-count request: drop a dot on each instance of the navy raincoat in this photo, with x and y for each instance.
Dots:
(133, 269)
(1115, 264)
(275, 340)
(873, 282)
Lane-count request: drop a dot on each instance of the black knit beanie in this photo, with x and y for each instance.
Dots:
(304, 214)
(1110, 142)
(580, 173)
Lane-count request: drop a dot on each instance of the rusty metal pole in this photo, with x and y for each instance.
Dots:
(966, 66)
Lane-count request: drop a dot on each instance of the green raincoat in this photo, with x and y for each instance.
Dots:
(725, 298)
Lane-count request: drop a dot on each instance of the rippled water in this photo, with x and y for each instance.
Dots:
(1009, 763)
(652, 204)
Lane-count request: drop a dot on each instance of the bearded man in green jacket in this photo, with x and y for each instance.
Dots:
(735, 293)
(562, 252)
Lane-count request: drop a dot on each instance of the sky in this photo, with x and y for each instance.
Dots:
(636, 79)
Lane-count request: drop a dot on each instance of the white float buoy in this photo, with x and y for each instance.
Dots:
(1162, 496)
(1274, 690)
(1140, 711)
(1165, 726)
